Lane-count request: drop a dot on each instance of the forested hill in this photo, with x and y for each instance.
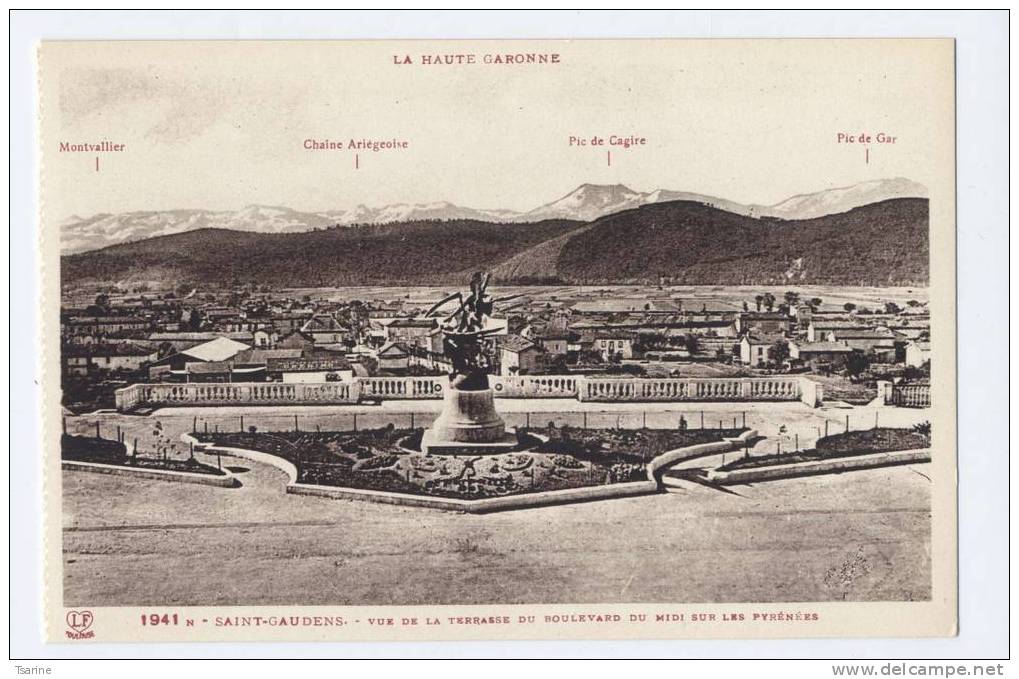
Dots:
(883, 243)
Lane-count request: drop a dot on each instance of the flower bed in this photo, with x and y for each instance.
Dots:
(105, 451)
(849, 444)
(379, 459)
(612, 446)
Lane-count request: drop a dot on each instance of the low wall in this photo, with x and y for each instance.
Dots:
(599, 389)
(226, 480)
(486, 505)
(432, 502)
(669, 458)
(834, 465)
(285, 466)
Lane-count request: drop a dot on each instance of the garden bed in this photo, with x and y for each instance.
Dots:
(379, 459)
(849, 444)
(105, 451)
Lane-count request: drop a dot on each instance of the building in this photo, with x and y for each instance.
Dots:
(394, 356)
(518, 356)
(325, 330)
(314, 368)
(918, 353)
(296, 340)
(81, 360)
(821, 355)
(214, 351)
(758, 350)
(613, 345)
(286, 322)
(552, 342)
(880, 343)
(413, 331)
(101, 326)
(223, 371)
(180, 341)
(820, 328)
(766, 322)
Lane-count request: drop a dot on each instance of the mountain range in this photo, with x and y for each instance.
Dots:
(689, 242)
(586, 203)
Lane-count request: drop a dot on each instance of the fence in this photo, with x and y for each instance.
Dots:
(780, 388)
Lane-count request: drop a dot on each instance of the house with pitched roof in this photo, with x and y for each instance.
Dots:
(517, 355)
(213, 351)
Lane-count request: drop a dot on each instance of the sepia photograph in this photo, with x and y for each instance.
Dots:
(498, 339)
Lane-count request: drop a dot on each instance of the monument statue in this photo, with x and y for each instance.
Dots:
(468, 422)
(463, 332)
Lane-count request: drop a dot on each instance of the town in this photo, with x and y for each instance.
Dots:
(118, 337)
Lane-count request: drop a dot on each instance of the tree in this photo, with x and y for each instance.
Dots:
(769, 301)
(849, 307)
(912, 303)
(792, 298)
(892, 308)
(857, 363)
(103, 301)
(780, 351)
(760, 300)
(746, 307)
(194, 321)
(815, 303)
(693, 345)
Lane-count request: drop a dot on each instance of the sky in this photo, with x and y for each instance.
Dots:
(222, 125)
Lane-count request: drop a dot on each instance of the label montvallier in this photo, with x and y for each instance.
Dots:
(105, 146)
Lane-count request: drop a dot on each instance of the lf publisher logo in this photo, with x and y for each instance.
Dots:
(79, 623)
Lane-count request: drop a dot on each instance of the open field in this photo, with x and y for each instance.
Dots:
(693, 296)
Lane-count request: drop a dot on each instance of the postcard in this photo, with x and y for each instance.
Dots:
(506, 339)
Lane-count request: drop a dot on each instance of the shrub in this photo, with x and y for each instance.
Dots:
(567, 462)
(624, 471)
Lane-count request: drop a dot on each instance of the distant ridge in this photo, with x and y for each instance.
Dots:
(585, 203)
(687, 242)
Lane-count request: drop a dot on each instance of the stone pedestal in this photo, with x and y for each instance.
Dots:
(468, 424)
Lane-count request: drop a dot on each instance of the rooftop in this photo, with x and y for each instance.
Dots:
(516, 344)
(219, 349)
(823, 347)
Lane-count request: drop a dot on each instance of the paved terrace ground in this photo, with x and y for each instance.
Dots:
(857, 536)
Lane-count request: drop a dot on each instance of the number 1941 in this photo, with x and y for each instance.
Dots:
(155, 619)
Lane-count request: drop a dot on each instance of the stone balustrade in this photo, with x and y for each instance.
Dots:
(685, 389)
(237, 393)
(911, 395)
(402, 387)
(636, 389)
(536, 386)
